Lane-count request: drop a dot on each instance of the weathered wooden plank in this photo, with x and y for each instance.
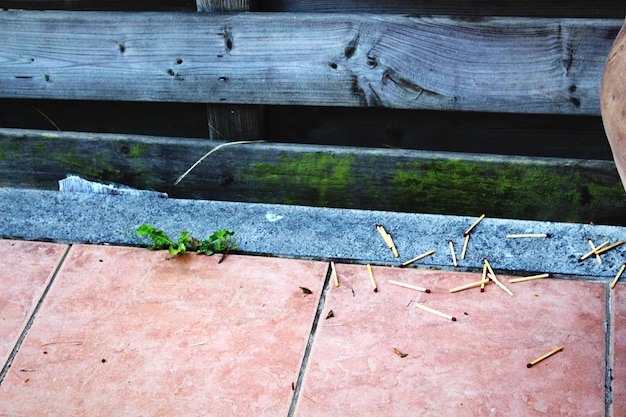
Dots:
(531, 8)
(380, 179)
(232, 121)
(99, 5)
(496, 64)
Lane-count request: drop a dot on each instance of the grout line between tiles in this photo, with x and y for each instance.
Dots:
(31, 319)
(608, 373)
(307, 352)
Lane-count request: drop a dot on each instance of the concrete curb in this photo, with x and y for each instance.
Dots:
(311, 232)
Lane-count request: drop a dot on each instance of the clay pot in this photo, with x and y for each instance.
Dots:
(613, 101)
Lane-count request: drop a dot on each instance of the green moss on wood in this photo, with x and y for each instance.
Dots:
(314, 178)
(520, 191)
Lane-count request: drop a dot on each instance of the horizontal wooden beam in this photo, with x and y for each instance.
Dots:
(519, 65)
(376, 179)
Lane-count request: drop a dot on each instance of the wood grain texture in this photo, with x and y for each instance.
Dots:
(375, 179)
(496, 64)
(218, 6)
(232, 121)
(100, 5)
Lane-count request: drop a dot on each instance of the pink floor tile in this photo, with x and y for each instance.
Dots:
(127, 331)
(25, 268)
(475, 366)
(618, 360)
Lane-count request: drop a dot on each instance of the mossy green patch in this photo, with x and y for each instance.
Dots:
(96, 166)
(314, 178)
(136, 150)
(522, 191)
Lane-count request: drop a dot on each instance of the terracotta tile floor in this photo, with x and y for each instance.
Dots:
(126, 331)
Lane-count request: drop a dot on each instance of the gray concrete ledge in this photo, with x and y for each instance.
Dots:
(313, 233)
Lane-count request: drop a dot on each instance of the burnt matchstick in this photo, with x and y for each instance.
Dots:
(454, 262)
(409, 286)
(619, 274)
(471, 285)
(467, 238)
(482, 286)
(593, 252)
(533, 277)
(417, 258)
(529, 235)
(547, 355)
(334, 272)
(469, 230)
(369, 268)
(495, 279)
(435, 312)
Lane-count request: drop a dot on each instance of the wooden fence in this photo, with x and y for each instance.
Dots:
(455, 108)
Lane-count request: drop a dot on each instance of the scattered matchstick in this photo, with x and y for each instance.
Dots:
(595, 250)
(482, 282)
(435, 312)
(482, 286)
(399, 353)
(384, 235)
(369, 268)
(608, 248)
(417, 258)
(467, 238)
(453, 254)
(619, 274)
(529, 235)
(387, 238)
(409, 286)
(547, 355)
(495, 279)
(334, 272)
(469, 230)
(540, 276)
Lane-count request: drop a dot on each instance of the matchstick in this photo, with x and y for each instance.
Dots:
(480, 219)
(409, 286)
(384, 235)
(540, 276)
(595, 250)
(467, 237)
(417, 258)
(468, 286)
(529, 235)
(453, 254)
(608, 248)
(619, 274)
(369, 268)
(387, 238)
(393, 248)
(334, 271)
(547, 355)
(482, 286)
(495, 279)
(435, 312)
